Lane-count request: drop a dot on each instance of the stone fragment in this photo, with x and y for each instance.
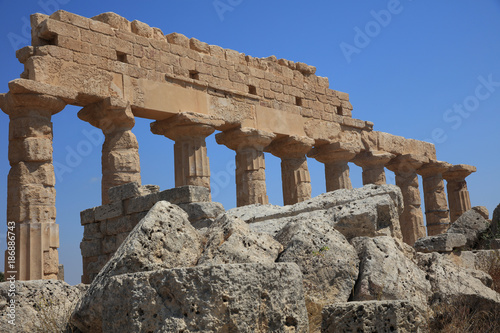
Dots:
(130, 190)
(386, 273)
(141, 29)
(230, 241)
(450, 282)
(483, 211)
(495, 222)
(471, 224)
(202, 214)
(114, 20)
(329, 264)
(185, 194)
(375, 316)
(163, 239)
(440, 243)
(376, 210)
(221, 298)
(40, 305)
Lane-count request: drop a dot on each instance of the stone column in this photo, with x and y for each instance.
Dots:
(120, 151)
(411, 220)
(436, 206)
(31, 187)
(458, 195)
(335, 156)
(295, 177)
(189, 131)
(373, 163)
(249, 145)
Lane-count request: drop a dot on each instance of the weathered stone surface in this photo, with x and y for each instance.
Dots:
(130, 190)
(450, 282)
(163, 239)
(375, 316)
(222, 298)
(329, 264)
(495, 222)
(202, 214)
(386, 273)
(440, 243)
(185, 194)
(40, 305)
(230, 241)
(471, 224)
(378, 212)
(483, 211)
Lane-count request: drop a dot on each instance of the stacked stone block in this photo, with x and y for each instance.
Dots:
(107, 226)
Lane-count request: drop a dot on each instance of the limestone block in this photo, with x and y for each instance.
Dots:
(199, 46)
(440, 243)
(92, 231)
(23, 86)
(202, 210)
(32, 173)
(471, 224)
(233, 298)
(77, 20)
(185, 194)
(30, 150)
(230, 241)
(91, 247)
(119, 225)
(87, 216)
(37, 303)
(329, 264)
(114, 20)
(50, 29)
(450, 282)
(108, 211)
(141, 29)
(131, 190)
(375, 316)
(30, 127)
(163, 239)
(388, 273)
(141, 204)
(178, 39)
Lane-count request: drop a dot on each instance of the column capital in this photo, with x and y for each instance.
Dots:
(372, 158)
(245, 137)
(110, 115)
(433, 168)
(333, 152)
(186, 125)
(27, 104)
(406, 163)
(458, 172)
(291, 146)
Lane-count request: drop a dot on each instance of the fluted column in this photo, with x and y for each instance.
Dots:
(295, 177)
(335, 156)
(120, 151)
(436, 206)
(249, 145)
(189, 131)
(458, 194)
(412, 219)
(31, 211)
(373, 163)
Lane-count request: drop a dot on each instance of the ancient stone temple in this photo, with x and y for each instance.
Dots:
(117, 70)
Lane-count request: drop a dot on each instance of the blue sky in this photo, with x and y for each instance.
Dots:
(429, 70)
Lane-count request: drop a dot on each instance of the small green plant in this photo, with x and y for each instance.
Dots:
(321, 251)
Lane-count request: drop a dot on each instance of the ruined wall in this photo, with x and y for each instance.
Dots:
(107, 226)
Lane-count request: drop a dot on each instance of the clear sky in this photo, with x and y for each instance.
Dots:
(427, 70)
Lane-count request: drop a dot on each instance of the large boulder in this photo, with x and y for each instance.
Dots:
(471, 224)
(38, 305)
(446, 242)
(329, 264)
(369, 211)
(163, 239)
(387, 272)
(230, 241)
(375, 316)
(221, 298)
(450, 282)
